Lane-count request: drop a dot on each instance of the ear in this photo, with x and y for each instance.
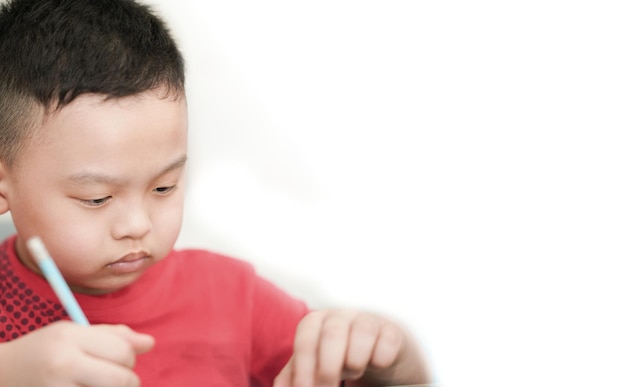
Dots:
(4, 188)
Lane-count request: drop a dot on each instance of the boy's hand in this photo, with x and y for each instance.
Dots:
(335, 345)
(67, 354)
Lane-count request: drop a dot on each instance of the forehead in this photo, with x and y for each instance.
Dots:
(96, 130)
(94, 114)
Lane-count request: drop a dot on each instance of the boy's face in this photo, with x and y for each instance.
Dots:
(102, 185)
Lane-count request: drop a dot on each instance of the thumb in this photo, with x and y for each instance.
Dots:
(140, 342)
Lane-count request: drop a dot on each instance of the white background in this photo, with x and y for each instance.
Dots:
(457, 165)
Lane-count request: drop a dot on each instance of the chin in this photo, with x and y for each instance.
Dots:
(108, 287)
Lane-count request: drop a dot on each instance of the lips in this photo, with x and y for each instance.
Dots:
(131, 257)
(129, 263)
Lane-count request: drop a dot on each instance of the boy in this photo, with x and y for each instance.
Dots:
(93, 146)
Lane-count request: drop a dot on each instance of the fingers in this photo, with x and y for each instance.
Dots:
(334, 339)
(388, 346)
(318, 352)
(333, 345)
(374, 343)
(139, 342)
(305, 350)
(95, 373)
(363, 337)
(67, 354)
(109, 346)
(118, 345)
(284, 378)
(115, 343)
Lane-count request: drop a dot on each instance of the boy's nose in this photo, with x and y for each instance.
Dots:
(132, 223)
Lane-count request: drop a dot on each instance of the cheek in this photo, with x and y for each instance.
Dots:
(77, 242)
(53, 221)
(167, 224)
(84, 230)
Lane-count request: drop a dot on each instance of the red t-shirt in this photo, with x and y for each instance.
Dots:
(214, 320)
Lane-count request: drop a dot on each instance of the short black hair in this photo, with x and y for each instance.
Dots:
(52, 51)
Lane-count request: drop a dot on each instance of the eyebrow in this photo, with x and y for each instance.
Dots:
(100, 178)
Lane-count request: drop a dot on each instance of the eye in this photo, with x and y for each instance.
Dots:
(95, 202)
(165, 190)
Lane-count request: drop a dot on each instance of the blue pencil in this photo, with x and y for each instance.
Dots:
(55, 279)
